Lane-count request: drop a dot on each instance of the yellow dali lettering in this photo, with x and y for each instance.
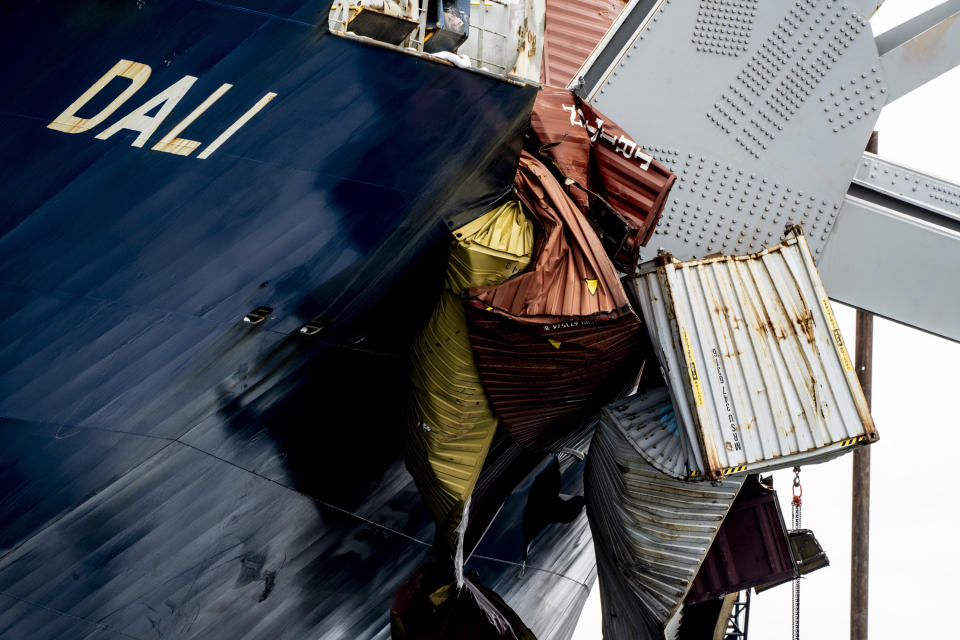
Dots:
(69, 122)
(161, 105)
(232, 129)
(170, 143)
(138, 120)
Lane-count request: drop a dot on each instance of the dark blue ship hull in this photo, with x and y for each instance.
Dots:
(166, 468)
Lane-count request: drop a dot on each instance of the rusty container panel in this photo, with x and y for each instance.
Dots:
(651, 532)
(544, 380)
(751, 548)
(750, 349)
(622, 188)
(574, 27)
(553, 342)
(570, 276)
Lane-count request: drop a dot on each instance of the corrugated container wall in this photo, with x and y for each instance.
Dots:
(651, 532)
(574, 27)
(758, 372)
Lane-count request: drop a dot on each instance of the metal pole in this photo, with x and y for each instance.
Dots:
(860, 529)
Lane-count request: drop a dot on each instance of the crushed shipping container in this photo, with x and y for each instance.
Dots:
(651, 532)
(648, 416)
(621, 188)
(758, 372)
(451, 424)
(751, 548)
(552, 344)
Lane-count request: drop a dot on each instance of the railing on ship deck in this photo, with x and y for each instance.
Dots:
(495, 43)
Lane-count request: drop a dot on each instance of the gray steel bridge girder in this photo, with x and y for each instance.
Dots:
(763, 111)
(895, 248)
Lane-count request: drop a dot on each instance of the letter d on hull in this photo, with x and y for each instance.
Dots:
(70, 123)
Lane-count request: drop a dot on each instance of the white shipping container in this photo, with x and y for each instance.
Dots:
(759, 375)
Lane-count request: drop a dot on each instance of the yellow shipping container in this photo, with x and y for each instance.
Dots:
(451, 424)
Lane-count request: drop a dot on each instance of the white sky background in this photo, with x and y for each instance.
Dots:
(913, 506)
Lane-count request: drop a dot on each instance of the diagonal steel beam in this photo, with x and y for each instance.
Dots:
(895, 248)
(920, 49)
(909, 185)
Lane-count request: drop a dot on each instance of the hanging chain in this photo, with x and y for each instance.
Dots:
(796, 506)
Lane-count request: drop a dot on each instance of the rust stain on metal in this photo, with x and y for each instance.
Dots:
(526, 40)
(806, 323)
(927, 43)
(789, 392)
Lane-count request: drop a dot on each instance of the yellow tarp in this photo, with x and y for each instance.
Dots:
(451, 422)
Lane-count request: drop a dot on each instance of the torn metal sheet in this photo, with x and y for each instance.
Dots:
(570, 274)
(565, 548)
(504, 470)
(427, 607)
(649, 418)
(451, 424)
(574, 27)
(610, 178)
(551, 344)
(651, 533)
(758, 371)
